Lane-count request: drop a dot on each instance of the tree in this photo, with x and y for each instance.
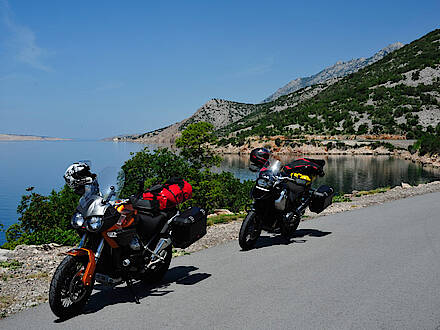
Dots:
(44, 219)
(194, 144)
(151, 168)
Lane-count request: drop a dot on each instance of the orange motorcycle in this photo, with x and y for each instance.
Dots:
(121, 241)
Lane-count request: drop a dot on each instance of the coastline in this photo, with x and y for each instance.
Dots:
(306, 149)
(13, 137)
(318, 145)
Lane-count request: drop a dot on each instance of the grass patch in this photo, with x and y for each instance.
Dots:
(178, 253)
(5, 302)
(38, 275)
(339, 198)
(5, 277)
(372, 192)
(10, 264)
(224, 218)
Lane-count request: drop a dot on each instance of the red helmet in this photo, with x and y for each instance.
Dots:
(258, 158)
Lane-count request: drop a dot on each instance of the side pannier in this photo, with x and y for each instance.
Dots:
(188, 227)
(168, 195)
(322, 198)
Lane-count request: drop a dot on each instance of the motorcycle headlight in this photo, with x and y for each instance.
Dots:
(77, 220)
(263, 183)
(94, 224)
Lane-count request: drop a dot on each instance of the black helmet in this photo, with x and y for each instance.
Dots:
(258, 158)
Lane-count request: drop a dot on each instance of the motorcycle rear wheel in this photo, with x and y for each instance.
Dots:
(154, 275)
(250, 231)
(67, 293)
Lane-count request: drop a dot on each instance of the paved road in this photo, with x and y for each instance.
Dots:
(373, 268)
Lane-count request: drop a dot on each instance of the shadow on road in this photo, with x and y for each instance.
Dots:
(265, 241)
(311, 233)
(107, 295)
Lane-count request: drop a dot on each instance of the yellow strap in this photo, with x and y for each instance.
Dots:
(301, 176)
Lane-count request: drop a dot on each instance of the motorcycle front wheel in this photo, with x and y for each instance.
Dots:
(158, 270)
(67, 294)
(288, 229)
(250, 231)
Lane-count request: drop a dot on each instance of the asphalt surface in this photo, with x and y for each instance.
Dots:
(372, 268)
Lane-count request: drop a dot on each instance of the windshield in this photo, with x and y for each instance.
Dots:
(110, 177)
(273, 166)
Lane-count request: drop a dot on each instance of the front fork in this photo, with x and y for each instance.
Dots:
(155, 255)
(93, 258)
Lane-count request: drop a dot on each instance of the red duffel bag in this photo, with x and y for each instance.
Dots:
(170, 194)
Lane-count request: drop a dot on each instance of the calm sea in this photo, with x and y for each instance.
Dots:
(42, 165)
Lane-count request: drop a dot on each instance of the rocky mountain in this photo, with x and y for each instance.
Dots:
(398, 95)
(340, 69)
(222, 113)
(218, 112)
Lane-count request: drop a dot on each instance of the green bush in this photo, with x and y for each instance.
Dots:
(427, 144)
(44, 219)
(210, 190)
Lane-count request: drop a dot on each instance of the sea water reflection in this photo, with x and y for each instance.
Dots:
(348, 173)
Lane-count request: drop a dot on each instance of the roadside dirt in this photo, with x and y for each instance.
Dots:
(25, 272)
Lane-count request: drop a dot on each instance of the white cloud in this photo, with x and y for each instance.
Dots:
(22, 41)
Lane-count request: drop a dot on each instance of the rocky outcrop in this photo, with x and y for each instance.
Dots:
(218, 112)
(340, 69)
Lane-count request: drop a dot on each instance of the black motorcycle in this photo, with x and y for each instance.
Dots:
(280, 197)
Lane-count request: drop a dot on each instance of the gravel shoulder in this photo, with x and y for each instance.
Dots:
(25, 272)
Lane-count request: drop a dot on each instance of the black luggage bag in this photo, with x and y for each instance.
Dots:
(188, 227)
(322, 198)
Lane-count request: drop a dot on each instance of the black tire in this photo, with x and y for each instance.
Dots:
(154, 275)
(287, 230)
(250, 231)
(67, 294)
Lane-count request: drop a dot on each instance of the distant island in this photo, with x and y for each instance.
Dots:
(16, 137)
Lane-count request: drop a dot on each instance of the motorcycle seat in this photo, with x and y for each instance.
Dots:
(149, 225)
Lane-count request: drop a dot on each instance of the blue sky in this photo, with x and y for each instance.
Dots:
(92, 69)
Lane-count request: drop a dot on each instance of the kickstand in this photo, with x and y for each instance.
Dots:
(130, 287)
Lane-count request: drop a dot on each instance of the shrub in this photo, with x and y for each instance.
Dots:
(44, 219)
(427, 144)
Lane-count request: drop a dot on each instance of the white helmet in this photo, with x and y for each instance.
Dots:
(78, 174)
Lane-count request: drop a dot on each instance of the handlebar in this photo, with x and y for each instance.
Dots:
(121, 201)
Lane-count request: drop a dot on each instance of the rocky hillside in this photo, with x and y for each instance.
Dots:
(340, 69)
(218, 112)
(399, 95)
